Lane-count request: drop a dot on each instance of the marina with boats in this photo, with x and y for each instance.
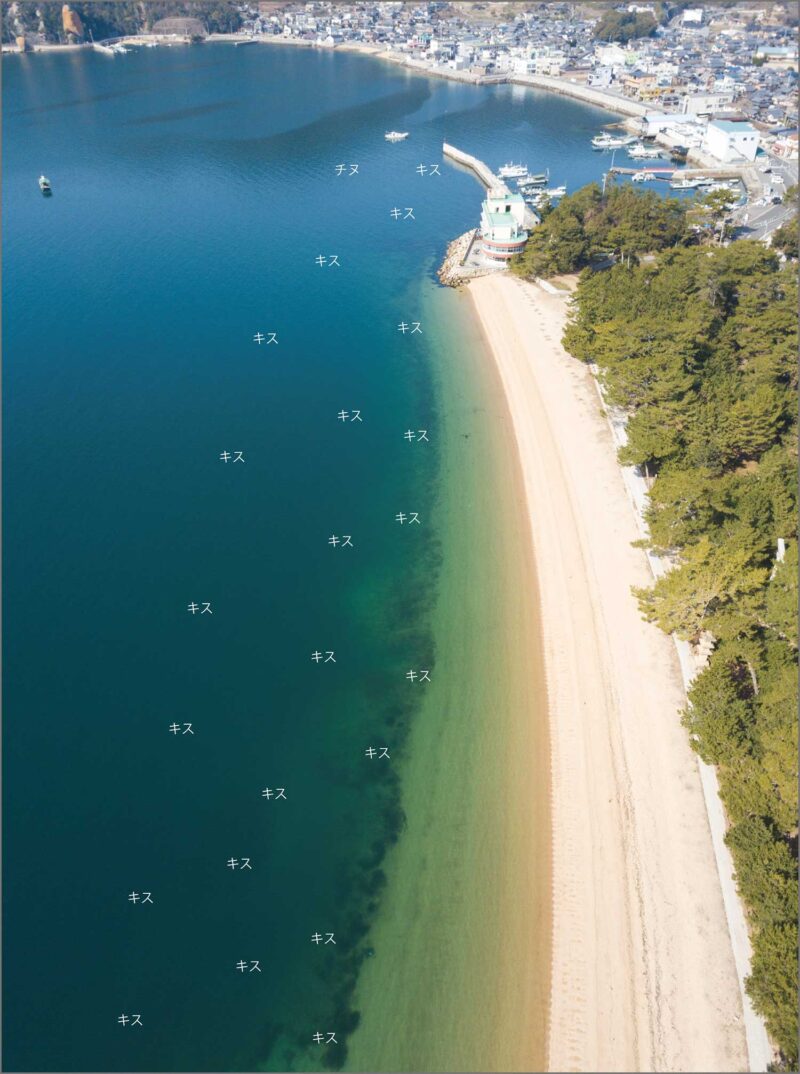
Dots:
(507, 217)
(537, 194)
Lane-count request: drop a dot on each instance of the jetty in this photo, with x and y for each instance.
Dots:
(486, 176)
(506, 221)
(483, 171)
(669, 171)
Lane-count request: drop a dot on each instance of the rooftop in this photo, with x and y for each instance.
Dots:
(499, 195)
(501, 220)
(733, 125)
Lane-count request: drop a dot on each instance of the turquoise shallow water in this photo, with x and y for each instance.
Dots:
(193, 190)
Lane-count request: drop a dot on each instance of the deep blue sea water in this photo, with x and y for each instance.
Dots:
(193, 189)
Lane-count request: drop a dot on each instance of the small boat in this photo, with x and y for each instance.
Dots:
(513, 171)
(44, 185)
(643, 152)
(686, 184)
(642, 177)
(555, 192)
(533, 181)
(611, 141)
(395, 136)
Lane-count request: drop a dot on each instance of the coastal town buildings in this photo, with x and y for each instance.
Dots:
(727, 62)
(732, 64)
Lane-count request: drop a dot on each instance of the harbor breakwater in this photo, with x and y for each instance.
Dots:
(451, 272)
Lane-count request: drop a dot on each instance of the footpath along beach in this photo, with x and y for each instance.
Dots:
(642, 974)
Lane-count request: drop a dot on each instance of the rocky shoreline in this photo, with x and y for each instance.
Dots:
(451, 272)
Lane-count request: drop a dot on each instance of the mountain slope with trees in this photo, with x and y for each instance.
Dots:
(115, 18)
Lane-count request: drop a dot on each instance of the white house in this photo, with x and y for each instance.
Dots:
(614, 55)
(729, 141)
(600, 76)
(665, 73)
(653, 123)
(706, 104)
(551, 63)
(693, 16)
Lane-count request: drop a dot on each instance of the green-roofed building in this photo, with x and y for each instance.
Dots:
(503, 231)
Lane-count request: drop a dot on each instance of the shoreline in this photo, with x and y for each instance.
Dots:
(460, 979)
(547, 83)
(643, 974)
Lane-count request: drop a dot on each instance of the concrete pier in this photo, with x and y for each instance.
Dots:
(483, 171)
(487, 177)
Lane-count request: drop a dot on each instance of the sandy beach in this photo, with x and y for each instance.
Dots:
(642, 976)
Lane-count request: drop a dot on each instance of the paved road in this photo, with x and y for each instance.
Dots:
(758, 221)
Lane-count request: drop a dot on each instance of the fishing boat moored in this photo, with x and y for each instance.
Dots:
(532, 181)
(611, 141)
(687, 184)
(513, 171)
(643, 152)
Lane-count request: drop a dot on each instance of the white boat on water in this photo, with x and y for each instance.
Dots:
(686, 184)
(395, 136)
(643, 152)
(611, 141)
(44, 185)
(642, 177)
(531, 182)
(513, 171)
(555, 192)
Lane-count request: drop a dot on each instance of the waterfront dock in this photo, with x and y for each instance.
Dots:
(483, 171)
(746, 174)
(486, 176)
(668, 171)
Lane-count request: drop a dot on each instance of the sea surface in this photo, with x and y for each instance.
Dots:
(193, 190)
